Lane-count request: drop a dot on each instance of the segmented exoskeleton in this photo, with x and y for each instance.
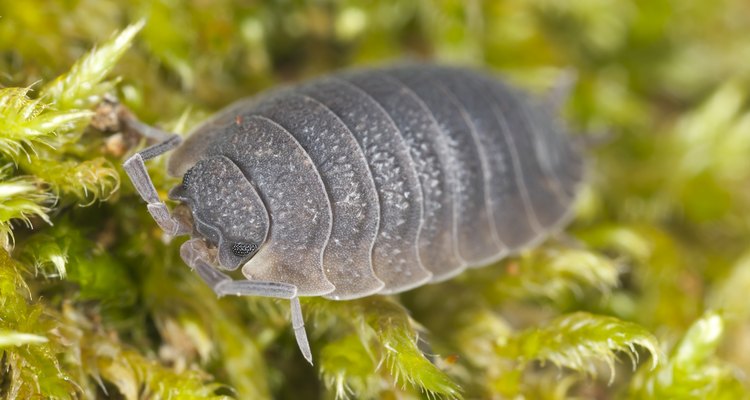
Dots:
(365, 182)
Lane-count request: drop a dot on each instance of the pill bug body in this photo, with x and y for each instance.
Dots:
(377, 181)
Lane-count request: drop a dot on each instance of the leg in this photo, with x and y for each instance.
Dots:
(136, 170)
(195, 254)
(298, 324)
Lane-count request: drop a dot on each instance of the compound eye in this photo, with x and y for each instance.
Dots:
(186, 179)
(243, 249)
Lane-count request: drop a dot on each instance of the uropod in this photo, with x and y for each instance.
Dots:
(364, 182)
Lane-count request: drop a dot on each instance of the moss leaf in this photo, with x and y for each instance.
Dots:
(10, 338)
(28, 123)
(22, 198)
(692, 370)
(85, 181)
(83, 85)
(31, 361)
(389, 334)
(575, 340)
(555, 272)
(347, 369)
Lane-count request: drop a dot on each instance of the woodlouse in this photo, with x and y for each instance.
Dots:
(364, 182)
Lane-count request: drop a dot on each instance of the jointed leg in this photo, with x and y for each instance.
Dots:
(136, 170)
(298, 324)
(195, 254)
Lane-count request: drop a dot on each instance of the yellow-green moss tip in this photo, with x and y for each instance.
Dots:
(578, 340)
(85, 83)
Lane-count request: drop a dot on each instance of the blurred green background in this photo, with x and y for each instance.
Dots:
(95, 302)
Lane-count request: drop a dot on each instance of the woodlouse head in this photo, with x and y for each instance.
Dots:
(226, 209)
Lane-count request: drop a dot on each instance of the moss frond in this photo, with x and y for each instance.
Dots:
(22, 198)
(576, 340)
(99, 356)
(28, 123)
(38, 126)
(657, 267)
(137, 377)
(197, 327)
(387, 332)
(730, 294)
(622, 240)
(10, 338)
(50, 355)
(714, 136)
(700, 341)
(32, 363)
(48, 255)
(42, 127)
(83, 85)
(245, 366)
(63, 251)
(85, 181)
(555, 272)
(347, 369)
(692, 370)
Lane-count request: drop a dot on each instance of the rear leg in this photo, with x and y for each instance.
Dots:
(197, 256)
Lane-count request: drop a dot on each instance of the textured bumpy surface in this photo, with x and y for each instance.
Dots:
(378, 181)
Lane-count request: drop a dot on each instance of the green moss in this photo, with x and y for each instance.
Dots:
(692, 370)
(387, 337)
(576, 340)
(31, 365)
(94, 298)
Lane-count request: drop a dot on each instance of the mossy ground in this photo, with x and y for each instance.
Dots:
(644, 297)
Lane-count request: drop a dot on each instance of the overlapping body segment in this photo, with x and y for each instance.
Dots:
(378, 181)
(297, 203)
(395, 257)
(555, 162)
(548, 201)
(474, 233)
(364, 182)
(429, 156)
(343, 168)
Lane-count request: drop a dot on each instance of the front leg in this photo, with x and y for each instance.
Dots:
(136, 170)
(196, 255)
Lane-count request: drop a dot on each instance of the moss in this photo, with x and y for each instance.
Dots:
(96, 302)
